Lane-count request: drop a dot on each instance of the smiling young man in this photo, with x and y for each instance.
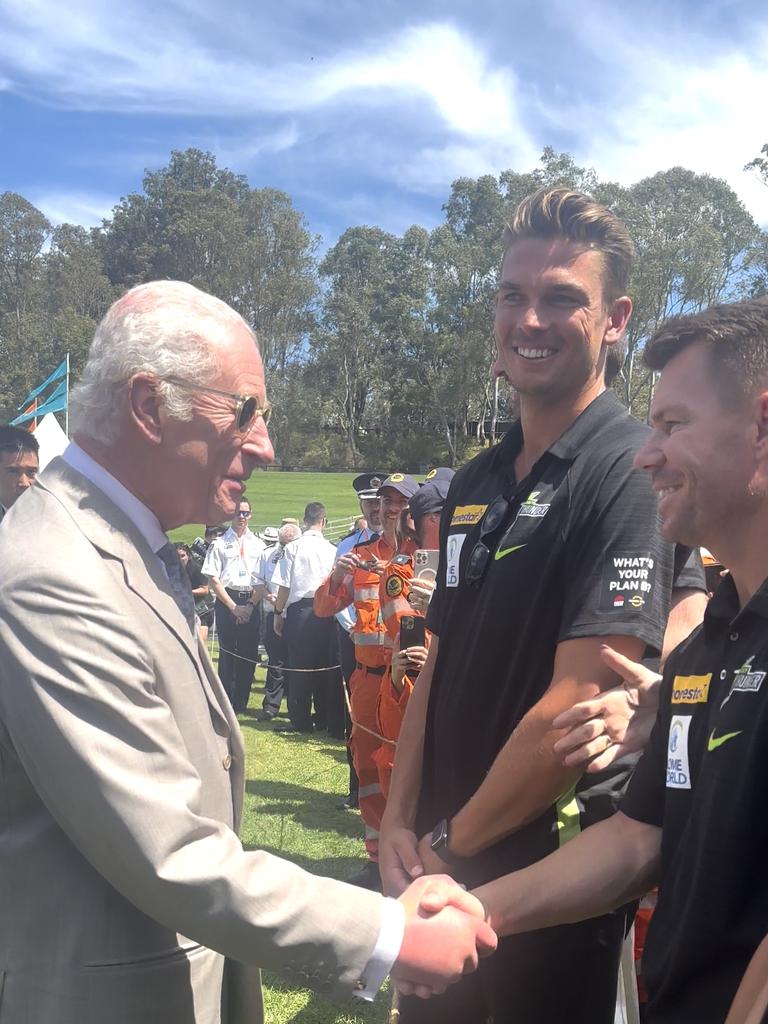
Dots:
(549, 548)
(693, 819)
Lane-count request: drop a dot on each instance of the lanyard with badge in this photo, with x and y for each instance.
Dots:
(243, 569)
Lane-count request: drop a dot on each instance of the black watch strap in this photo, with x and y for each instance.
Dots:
(439, 843)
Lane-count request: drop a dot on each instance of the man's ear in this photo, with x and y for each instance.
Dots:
(145, 407)
(761, 424)
(618, 317)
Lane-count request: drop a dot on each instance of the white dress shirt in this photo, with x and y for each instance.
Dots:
(231, 559)
(145, 521)
(306, 562)
(265, 568)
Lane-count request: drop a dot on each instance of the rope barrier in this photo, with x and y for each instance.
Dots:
(329, 668)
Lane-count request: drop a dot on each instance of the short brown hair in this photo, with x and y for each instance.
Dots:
(576, 217)
(736, 337)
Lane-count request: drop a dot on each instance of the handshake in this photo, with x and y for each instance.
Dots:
(445, 936)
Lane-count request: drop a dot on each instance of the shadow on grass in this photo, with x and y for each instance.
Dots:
(339, 868)
(307, 807)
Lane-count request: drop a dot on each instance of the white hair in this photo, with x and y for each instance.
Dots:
(288, 533)
(165, 328)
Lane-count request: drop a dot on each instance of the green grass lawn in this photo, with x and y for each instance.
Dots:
(276, 494)
(293, 784)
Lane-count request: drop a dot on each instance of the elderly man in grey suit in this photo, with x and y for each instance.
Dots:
(125, 893)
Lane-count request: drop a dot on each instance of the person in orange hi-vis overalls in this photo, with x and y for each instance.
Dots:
(355, 580)
(398, 598)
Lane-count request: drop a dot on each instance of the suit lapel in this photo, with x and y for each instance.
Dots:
(113, 533)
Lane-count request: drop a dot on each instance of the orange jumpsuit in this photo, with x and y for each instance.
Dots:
(361, 588)
(393, 593)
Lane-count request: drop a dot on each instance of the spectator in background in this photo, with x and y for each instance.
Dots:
(19, 464)
(310, 641)
(265, 592)
(229, 564)
(200, 590)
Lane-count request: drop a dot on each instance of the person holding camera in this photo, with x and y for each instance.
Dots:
(355, 580)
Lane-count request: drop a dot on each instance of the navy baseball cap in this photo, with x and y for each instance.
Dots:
(430, 497)
(401, 482)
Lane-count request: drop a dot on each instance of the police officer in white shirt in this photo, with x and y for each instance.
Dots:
(265, 590)
(229, 563)
(306, 562)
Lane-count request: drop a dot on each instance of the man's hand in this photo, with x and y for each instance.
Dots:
(345, 566)
(412, 659)
(399, 861)
(617, 722)
(278, 623)
(242, 613)
(420, 594)
(433, 864)
(441, 943)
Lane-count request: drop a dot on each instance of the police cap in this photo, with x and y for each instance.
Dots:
(367, 484)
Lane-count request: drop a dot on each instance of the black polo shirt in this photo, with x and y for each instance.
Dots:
(704, 780)
(579, 554)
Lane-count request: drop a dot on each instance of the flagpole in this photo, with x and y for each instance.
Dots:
(66, 408)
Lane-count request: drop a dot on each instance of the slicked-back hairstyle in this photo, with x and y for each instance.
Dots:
(314, 513)
(165, 328)
(16, 440)
(578, 218)
(736, 337)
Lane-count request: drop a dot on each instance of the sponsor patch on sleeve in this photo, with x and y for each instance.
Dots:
(628, 580)
(691, 689)
(678, 769)
(467, 515)
(394, 586)
(453, 553)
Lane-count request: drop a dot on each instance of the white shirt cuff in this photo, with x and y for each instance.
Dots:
(386, 950)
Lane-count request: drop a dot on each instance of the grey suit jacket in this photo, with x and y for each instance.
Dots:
(125, 895)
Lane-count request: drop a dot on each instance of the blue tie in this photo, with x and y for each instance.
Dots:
(180, 585)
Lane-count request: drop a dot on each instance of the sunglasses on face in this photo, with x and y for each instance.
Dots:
(480, 555)
(243, 514)
(247, 408)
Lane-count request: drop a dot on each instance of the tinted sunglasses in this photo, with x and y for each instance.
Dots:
(480, 555)
(247, 408)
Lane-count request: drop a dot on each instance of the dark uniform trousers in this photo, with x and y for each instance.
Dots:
(276, 684)
(238, 650)
(311, 645)
(346, 652)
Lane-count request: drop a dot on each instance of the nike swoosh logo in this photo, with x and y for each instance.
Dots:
(713, 743)
(507, 551)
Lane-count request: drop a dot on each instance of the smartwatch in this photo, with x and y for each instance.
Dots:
(439, 843)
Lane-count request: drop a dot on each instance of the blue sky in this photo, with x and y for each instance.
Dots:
(365, 113)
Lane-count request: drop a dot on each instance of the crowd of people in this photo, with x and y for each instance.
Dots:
(550, 713)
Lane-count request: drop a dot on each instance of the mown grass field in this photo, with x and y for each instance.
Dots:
(276, 494)
(292, 788)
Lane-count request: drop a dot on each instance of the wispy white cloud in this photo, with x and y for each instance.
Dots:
(74, 207)
(680, 99)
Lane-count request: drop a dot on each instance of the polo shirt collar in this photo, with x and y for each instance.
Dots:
(570, 443)
(724, 607)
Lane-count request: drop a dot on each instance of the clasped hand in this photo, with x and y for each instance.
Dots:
(445, 936)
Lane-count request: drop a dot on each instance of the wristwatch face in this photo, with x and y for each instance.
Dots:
(440, 836)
